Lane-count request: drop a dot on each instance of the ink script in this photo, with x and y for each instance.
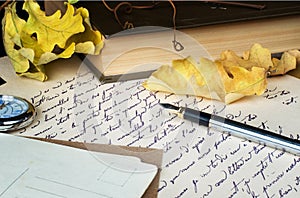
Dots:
(198, 162)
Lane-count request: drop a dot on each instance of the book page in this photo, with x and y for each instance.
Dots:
(197, 162)
(31, 168)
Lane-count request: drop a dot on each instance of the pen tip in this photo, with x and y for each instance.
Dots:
(169, 106)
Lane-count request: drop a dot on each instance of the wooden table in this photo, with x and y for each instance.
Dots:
(277, 34)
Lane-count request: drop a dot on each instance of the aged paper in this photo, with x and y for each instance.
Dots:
(197, 162)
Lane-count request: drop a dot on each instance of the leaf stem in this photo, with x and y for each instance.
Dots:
(4, 4)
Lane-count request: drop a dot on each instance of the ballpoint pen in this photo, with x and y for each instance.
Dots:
(237, 129)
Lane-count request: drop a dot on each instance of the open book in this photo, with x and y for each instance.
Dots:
(136, 53)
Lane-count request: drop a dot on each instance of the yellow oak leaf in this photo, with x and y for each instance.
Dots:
(261, 56)
(186, 67)
(90, 41)
(286, 63)
(12, 26)
(296, 54)
(42, 33)
(215, 82)
(227, 79)
(230, 58)
(167, 79)
(41, 39)
(239, 82)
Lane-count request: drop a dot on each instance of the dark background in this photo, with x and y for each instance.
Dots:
(22, 14)
(188, 13)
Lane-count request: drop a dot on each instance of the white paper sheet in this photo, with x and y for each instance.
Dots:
(197, 162)
(35, 169)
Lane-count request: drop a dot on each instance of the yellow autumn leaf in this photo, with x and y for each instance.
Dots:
(286, 63)
(90, 41)
(186, 67)
(215, 82)
(227, 79)
(37, 72)
(175, 83)
(50, 56)
(212, 77)
(41, 39)
(239, 82)
(261, 56)
(42, 33)
(12, 25)
(296, 54)
(230, 58)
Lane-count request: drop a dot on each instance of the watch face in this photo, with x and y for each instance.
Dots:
(11, 106)
(15, 113)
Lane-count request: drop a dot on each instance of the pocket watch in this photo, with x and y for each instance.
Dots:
(15, 113)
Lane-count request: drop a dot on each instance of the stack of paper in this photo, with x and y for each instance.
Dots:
(35, 169)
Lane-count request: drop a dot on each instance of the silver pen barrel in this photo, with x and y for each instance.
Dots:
(257, 135)
(241, 130)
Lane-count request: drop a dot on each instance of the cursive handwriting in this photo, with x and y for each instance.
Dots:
(197, 162)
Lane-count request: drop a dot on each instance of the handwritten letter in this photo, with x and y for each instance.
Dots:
(197, 162)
